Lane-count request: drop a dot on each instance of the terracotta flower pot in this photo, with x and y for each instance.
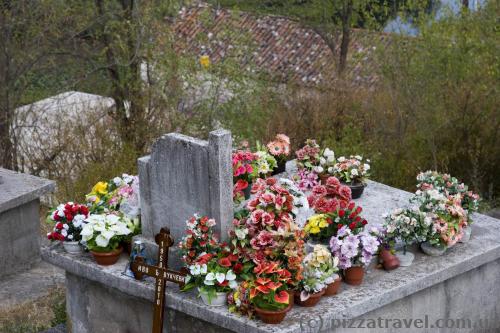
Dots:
(107, 258)
(333, 288)
(354, 275)
(356, 189)
(311, 301)
(324, 177)
(273, 317)
(389, 260)
(291, 295)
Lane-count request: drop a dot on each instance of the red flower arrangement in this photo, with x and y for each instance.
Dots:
(267, 231)
(326, 198)
(243, 172)
(200, 240)
(268, 289)
(68, 221)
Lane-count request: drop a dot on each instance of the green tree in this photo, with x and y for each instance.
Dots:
(27, 32)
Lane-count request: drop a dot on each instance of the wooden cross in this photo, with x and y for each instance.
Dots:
(161, 273)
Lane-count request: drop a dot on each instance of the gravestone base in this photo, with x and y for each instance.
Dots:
(20, 241)
(20, 220)
(101, 299)
(93, 307)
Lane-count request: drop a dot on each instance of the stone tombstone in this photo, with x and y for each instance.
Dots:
(184, 176)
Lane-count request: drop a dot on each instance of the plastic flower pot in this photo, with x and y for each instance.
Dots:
(127, 246)
(432, 250)
(273, 317)
(466, 235)
(219, 299)
(311, 301)
(356, 189)
(247, 191)
(107, 258)
(333, 288)
(354, 275)
(388, 260)
(72, 247)
(405, 258)
(280, 168)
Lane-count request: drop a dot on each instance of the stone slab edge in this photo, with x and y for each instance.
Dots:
(30, 188)
(379, 288)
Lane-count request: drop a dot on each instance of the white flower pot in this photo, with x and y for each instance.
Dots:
(466, 236)
(431, 250)
(219, 299)
(72, 247)
(405, 259)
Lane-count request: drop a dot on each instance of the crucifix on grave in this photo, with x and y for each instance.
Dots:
(161, 273)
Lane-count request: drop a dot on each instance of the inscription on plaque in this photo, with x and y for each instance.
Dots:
(161, 273)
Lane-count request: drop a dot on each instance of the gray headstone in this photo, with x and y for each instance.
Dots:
(183, 176)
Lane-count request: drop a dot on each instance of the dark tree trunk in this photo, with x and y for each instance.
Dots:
(346, 35)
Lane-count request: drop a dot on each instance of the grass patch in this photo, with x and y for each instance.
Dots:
(37, 315)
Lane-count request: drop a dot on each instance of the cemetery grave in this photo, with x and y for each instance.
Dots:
(183, 176)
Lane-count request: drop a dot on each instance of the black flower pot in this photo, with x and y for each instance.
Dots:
(356, 189)
(280, 168)
(246, 191)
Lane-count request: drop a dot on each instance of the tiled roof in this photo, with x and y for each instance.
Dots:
(284, 48)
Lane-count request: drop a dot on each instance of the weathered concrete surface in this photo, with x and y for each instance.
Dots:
(29, 285)
(18, 188)
(379, 289)
(183, 176)
(19, 220)
(95, 308)
(468, 303)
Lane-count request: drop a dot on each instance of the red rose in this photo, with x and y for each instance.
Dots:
(343, 204)
(341, 212)
(351, 205)
(359, 209)
(56, 217)
(59, 225)
(238, 268)
(270, 181)
(358, 219)
(84, 210)
(69, 217)
(352, 226)
(364, 222)
(223, 284)
(225, 262)
(233, 257)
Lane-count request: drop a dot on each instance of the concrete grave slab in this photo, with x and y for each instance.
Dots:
(20, 220)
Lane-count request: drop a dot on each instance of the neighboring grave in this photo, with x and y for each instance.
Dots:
(183, 176)
(20, 220)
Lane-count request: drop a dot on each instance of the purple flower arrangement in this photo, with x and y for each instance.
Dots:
(353, 249)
